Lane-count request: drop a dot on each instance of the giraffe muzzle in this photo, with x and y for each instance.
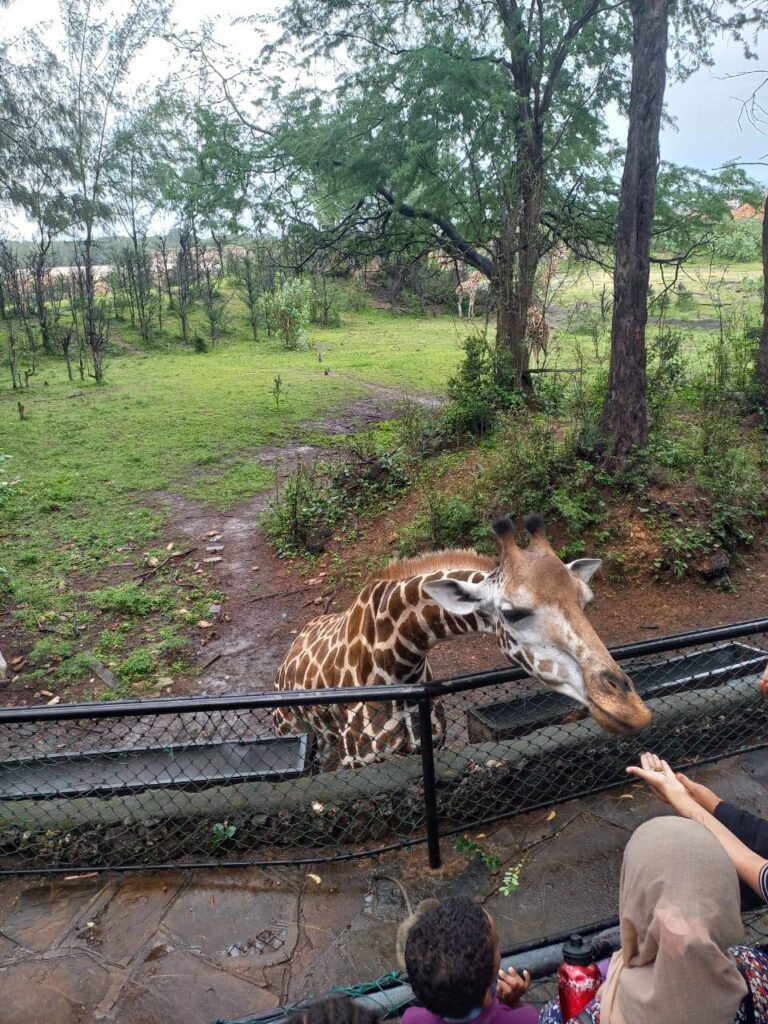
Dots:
(616, 707)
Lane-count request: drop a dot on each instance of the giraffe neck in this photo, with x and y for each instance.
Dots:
(407, 624)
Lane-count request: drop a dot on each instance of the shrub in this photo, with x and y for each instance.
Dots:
(320, 496)
(290, 311)
(475, 395)
(738, 240)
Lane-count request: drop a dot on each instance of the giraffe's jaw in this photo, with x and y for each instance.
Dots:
(620, 726)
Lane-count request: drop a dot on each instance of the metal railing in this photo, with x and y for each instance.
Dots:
(205, 781)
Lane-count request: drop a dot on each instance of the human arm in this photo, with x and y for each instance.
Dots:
(751, 867)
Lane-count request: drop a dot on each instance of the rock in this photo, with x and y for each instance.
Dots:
(213, 560)
(714, 565)
(214, 610)
(214, 548)
(3, 669)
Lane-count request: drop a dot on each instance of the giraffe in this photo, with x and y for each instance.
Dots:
(530, 600)
(475, 283)
(537, 332)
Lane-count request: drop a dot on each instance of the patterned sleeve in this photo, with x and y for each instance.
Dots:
(550, 1014)
(753, 964)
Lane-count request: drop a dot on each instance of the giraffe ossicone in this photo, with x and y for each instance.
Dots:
(531, 601)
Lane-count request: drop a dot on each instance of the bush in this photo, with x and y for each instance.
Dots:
(738, 240)
(321, 496)
(476, 397)
(290, 311)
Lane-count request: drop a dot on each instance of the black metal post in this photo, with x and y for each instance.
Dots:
(428, 778)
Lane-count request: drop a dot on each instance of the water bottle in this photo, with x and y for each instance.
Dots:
(578, 979)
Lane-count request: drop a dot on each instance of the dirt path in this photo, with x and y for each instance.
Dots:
(267, 599)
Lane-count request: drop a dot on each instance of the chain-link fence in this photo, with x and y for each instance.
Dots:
(212, 780)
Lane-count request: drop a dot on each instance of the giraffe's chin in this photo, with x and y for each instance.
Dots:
(616, 726)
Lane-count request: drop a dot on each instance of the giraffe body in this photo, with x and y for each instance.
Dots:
(475, 283)
(531, 601)
(382, 638)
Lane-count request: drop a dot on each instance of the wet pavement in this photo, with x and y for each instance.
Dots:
(195, 946)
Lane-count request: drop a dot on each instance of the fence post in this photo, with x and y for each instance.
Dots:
(428, 778)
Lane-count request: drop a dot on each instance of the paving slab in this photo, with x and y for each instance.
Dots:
(63, 990)
(126, 923)
(41, 914)
(570, 879)
(182, 987)
(243, 923)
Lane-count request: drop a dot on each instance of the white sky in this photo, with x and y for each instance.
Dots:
(705, 108)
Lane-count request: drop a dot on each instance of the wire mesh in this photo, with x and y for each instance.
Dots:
(296, 778)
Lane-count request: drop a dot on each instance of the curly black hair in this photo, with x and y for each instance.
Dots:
(334, 1009)
(450, 957)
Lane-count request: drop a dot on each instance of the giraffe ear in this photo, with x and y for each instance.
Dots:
(585, 568)
(455, 596)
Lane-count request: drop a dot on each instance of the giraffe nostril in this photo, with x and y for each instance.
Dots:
(617, 680)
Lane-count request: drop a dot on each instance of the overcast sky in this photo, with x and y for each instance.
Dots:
(705, 108)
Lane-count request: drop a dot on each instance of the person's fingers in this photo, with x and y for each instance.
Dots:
(646, 774)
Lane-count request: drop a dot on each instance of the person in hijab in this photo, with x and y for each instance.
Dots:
(679, 961)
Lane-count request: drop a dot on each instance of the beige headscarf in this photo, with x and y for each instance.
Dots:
(679, 912)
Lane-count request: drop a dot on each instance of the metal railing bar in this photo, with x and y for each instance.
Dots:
(350, 695)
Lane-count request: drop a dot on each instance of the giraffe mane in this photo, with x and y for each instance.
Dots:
(433, 561)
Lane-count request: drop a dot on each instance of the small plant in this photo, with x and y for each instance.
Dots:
(510, 881)
(472, 848)
(277, 391)
(221, 833)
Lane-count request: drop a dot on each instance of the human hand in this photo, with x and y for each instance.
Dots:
(512, 986)
(664, 783)
(703, 796)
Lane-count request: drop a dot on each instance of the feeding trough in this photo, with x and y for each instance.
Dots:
(519, 716)
(120, 771)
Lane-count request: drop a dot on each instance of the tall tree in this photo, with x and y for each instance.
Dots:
(99, 50)
(481, 123)
(624, 421)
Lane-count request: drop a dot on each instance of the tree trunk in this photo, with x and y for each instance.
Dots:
(762, 352)
(624, 420)
(518, 257)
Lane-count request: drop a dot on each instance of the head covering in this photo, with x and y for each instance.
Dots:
(679, 913)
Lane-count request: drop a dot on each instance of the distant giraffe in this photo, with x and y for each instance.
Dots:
(476, 282)
(531, 601)
(537, 332)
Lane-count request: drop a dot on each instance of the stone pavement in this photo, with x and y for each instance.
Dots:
(193, 946)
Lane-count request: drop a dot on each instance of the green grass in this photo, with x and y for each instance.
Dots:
(88, 458)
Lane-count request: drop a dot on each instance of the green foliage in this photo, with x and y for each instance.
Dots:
(139, 665)
(220, 833)
(476, 397)
(738, 241)
(510, 882)
(127, 599)
(290, 310)
(321, 496)
(472, 849)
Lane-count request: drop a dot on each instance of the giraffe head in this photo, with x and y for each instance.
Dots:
(535, 604)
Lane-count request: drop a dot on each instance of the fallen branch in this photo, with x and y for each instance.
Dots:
(142, 577)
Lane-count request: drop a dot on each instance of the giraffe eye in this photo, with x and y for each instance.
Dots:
(516, 614)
